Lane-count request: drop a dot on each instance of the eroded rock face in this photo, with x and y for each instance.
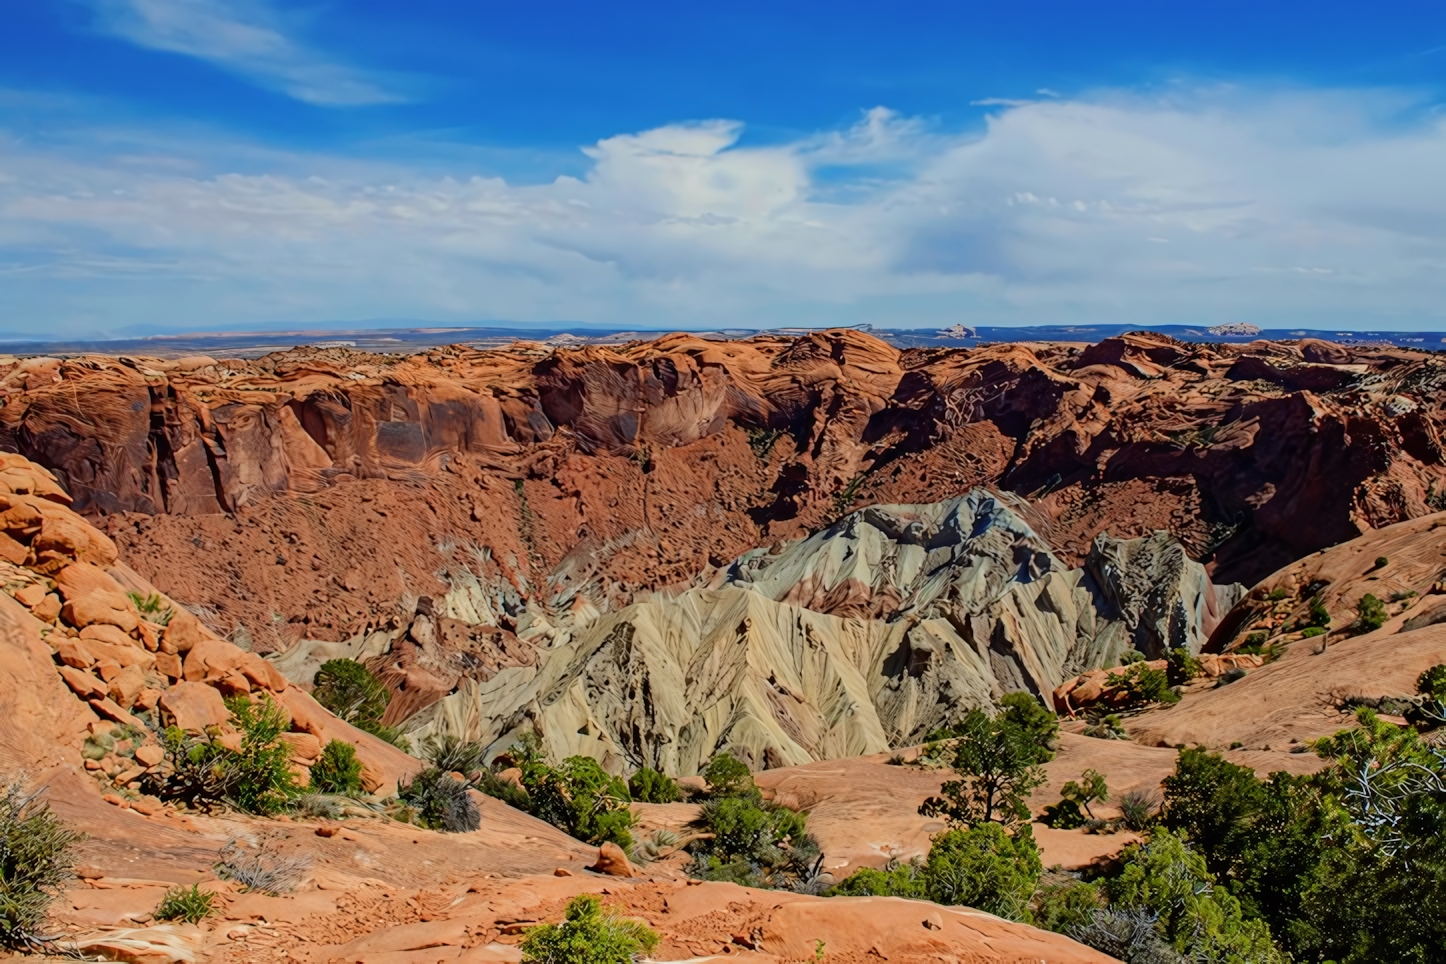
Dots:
(305, 494)
(871, 633)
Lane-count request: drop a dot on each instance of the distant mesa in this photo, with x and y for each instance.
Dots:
(1235, 329)
(958, 331)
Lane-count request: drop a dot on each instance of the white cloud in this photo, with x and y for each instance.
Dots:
(245, 37)
(1321, 209)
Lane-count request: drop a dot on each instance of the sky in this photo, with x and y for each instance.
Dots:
(188, 165)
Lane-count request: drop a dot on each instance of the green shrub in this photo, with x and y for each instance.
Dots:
(998, 761)
(1142, 685)
(985, 867)
(1108, 727)
(454, 755)
(1169, 880)
(1182, 666)
(338, 770)
(729, 777)
(1433, 682)
(505, 790)
(1062, 906)
(1381, 562)
(153, 608)
(581, 798)
(191, 905)
(1277, 594)
(1370, 614)
(1254, 643)
(1139, 809)
(257, 778)
(37, 855)
(651, 786)
(756, 844)
(1318, 615)
(1131, 656)
(588, 935)
(1064, 815)
(351, 691)
(441, 802)
(1310, 631)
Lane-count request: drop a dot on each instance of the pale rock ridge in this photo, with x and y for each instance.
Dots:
(869, 634)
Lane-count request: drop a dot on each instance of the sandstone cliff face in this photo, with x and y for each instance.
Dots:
(890, 623)
(307, 493)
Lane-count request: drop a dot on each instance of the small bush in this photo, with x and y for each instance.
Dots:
(351, 691)
(1063, 906)
(1108, 727)
(1310, 631)
(588, 935)
(338, 770)
(1381, 562)
(1318, 615)
(206, 772)
(261, 870)
(1143, 685)
(1277, 594)
(651, 786)
(191, 905)
(1182, 666)
(1139, 809)
(756, 844)
(152, 607)
(505, 790)
(1126, 935)
(985, 867)
(37, 853)
(1433, 682)
(317, 805)
(441, 802)
(1254, 643)
(1131, 656)
(729, 777)
(454, 755)
(583, 799)
(1370, 614)
(1065, 815)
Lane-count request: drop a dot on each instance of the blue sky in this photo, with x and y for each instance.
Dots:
(196, 164)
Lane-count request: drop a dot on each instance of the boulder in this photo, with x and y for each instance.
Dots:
(82, 684)
(612, 861)
(83, 578)
(305, 747)
(210, 659)
(100, 606)
(127, 686)
(195, 706)
(183, 632)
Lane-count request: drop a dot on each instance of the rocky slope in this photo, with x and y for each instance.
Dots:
(80, 653)
(1304, 691)
(307, 493)
(892, 622)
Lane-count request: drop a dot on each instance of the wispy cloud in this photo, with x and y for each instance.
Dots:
(1287, 209)
(246, 37)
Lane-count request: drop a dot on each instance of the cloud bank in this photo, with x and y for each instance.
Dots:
(244, 37)
(1285, 209)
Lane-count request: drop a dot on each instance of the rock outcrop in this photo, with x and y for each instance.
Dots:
(324, 486)
(115, 647)
(892, 622)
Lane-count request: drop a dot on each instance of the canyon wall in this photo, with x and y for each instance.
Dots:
(319, 492)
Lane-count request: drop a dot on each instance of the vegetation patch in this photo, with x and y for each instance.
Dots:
(37, 856)
(588, 934)
(189, 904)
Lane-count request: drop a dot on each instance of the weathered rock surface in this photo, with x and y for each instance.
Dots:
(323, 486)
(888, 624)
